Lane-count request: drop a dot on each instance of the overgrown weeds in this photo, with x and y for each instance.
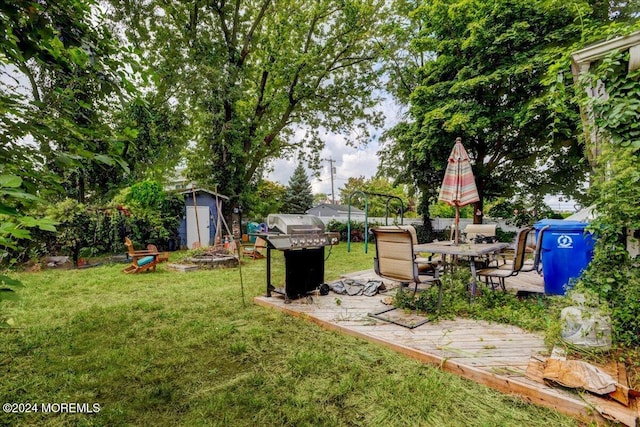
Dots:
(533, 312)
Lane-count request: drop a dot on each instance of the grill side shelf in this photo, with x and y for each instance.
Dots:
(282, 242)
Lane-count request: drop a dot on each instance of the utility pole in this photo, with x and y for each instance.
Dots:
(333, 171)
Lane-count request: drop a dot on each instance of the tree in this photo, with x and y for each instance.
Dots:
(378, 188)
(422, 168)
(486, 83)
(254, 72)
(73, 72)
(267, 198)
(158, 138)
(403, 57)
(321, 198)
(155, 215)
(297, 198)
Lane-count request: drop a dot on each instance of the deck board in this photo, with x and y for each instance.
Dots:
(492, 354)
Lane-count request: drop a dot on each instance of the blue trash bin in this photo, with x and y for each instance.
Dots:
(566, 252)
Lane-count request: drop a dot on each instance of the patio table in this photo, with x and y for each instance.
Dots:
(470, 250)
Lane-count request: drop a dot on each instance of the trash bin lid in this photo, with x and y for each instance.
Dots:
(561, 225)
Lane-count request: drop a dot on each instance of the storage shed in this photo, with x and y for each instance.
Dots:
(200, 221)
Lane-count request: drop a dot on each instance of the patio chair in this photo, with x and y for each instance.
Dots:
(396, 260)
(143, 260)
(426, 265)
(501, 272)
(162, 257)
(536, 265)
(257, 250)
(533, 256)
(472, 232)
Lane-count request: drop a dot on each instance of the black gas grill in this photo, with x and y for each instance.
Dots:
(302, 238)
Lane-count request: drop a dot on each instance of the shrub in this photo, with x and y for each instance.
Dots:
(612, 274)
(357, 229)
(151, 216)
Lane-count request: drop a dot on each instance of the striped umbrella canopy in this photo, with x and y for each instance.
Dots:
(458, 186)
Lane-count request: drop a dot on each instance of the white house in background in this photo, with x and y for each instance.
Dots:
(177, 181)
(329, 211)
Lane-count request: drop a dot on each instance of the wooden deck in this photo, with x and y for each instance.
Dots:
(492, 354)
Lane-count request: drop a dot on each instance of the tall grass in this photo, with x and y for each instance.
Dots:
(169, 348)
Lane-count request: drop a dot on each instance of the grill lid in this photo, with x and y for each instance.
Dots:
(295, 223)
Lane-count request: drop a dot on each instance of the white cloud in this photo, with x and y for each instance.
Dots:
(349, 162)
(562, 204)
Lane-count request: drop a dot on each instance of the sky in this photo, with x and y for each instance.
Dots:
(349, 162)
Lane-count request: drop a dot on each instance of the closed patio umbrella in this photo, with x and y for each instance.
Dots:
(458, 186)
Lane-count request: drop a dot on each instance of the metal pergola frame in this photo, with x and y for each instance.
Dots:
(365, 194)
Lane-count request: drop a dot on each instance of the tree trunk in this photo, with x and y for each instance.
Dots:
(478, 214)
(426, 220)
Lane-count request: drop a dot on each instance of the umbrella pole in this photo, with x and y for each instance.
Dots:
(457, 225)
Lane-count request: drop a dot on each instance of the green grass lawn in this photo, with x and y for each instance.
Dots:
(169, 348)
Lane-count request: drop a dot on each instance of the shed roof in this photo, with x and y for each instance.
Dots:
(204, 190)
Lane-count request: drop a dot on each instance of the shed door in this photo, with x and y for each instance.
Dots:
(202, 223)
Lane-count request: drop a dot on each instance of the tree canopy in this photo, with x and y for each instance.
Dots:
(261, 79)
(62, 74)
(56, 76)
(267, 198)
(157, 139)
(487, 81)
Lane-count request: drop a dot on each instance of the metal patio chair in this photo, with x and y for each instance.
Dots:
(501, 272)
(395, 260)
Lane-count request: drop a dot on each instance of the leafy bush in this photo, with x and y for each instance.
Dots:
(445, 210)
(357, 229)
(612, 274)
(147, 194)
(154, 215)
(505, 236)
(521, 212)
(151, 216)
(83, 231)
(425, 235)
(74, 225)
